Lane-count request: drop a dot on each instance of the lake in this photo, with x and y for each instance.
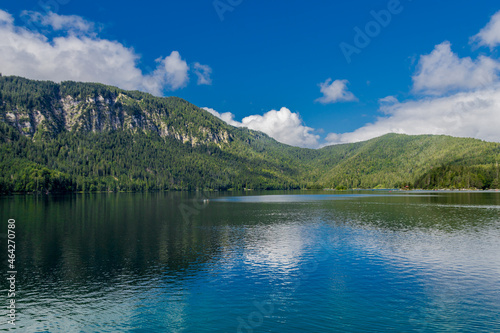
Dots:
(369, 261)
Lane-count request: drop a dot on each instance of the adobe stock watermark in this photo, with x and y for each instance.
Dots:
(188, 212)
(223, 6)
(372, 29)
(11, 272)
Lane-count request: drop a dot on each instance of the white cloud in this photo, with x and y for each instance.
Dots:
(6, 18)
(335, 91)
(388, 100)
(386, 103)
(467, 114)
(79, 55)
(490, 34)
(71, 23)
(283, 125)
(228, 117)
(203, 72)
(443, 71)
(171, 71)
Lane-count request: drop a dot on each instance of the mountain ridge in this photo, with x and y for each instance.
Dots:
(77, 136)
(91, 107)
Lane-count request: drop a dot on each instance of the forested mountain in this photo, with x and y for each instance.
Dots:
(91, 137)
(422, 161)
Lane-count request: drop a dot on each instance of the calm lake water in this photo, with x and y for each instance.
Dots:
(286, 262)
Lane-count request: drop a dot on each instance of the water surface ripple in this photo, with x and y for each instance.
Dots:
(178, 262)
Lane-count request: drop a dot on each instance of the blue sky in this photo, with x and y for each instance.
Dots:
(417, 67)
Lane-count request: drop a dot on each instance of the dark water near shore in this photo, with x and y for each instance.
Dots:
(287, 262)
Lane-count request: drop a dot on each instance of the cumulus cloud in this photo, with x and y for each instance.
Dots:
(283, 125)
(175, 70)
(203, 72)
(490, 34)
(468, 114)
(228, 117)
(71, 23)
(5, 18)
(443, 71)
(171, 71)
(77, 54)
(335, 91)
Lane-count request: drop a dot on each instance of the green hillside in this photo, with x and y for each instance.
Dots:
(395, 160)
(91, 137)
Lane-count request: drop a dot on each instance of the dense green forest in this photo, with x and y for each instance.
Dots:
(91, 137)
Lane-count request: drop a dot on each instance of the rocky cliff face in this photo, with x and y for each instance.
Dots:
(86, 107)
